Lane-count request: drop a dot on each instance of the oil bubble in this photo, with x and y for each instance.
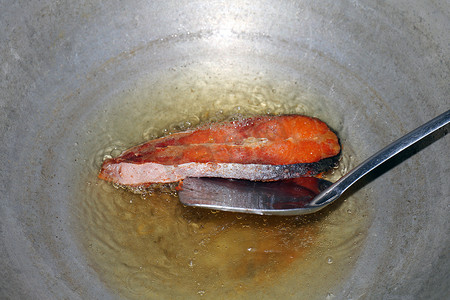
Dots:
(137, 283)
(330, 296)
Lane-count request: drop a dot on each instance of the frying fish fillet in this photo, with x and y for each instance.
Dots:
(260, 148)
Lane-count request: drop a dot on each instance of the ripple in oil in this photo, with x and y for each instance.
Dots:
(152, 247)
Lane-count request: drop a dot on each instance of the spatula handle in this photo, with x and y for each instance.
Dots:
(340, 186)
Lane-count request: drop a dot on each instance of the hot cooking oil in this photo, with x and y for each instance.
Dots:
(152, 247)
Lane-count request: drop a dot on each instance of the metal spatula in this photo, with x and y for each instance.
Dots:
(284, 197)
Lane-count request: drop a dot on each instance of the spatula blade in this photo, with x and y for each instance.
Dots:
(265, 198)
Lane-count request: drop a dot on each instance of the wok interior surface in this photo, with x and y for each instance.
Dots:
(81, 81)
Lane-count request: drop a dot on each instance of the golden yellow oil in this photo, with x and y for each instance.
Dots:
(152, 247)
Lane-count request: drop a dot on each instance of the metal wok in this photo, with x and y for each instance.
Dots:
(383, 68)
